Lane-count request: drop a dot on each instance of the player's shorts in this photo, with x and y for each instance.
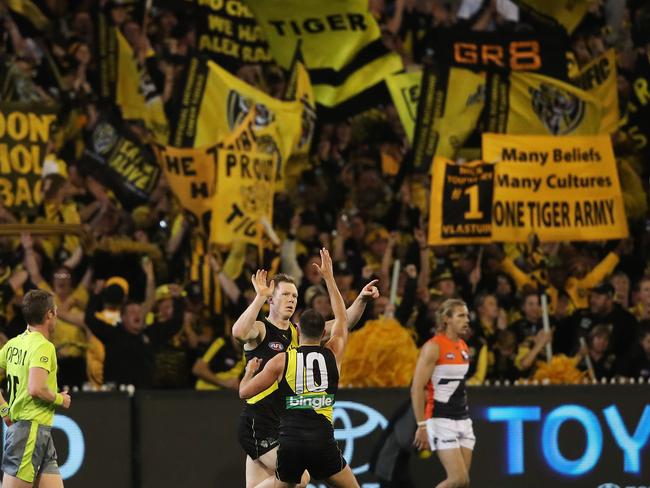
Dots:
(29, 451)
(257, 434)
(322, 459)
(450, 434)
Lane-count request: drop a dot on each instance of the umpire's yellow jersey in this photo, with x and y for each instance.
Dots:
(28, 350)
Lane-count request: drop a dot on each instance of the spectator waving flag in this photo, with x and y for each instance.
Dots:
(124, 80)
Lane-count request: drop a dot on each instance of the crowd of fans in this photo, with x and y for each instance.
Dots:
(132, 310)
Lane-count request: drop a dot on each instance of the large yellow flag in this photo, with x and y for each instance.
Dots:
(191, 176)
(599, 78)
(216, 103)
(567, 13)
(341, 44)
(528, 103)
(245, 187)
(451, 102)
(405, 91)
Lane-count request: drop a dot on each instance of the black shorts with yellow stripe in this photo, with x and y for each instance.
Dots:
(29, 451)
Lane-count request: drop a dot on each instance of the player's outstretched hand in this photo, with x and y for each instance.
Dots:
(326, 269)
(252, 366)
(7, 420)
(370, 291)
(259, 283)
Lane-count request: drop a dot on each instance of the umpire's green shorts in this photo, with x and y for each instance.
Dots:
(29, 451)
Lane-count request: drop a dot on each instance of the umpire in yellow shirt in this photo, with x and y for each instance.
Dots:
(29, 362)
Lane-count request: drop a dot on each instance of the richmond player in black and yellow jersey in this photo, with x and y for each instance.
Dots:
(308, 381)
(264, 339)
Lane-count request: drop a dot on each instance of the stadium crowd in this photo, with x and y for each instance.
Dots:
(141, 301)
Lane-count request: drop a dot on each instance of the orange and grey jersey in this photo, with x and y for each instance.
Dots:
(446, 392)
(307, 388)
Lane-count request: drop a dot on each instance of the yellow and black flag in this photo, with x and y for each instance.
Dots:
(216, 107)
(122, 163)
(341, 44)
(450, 105)
(226, 30)
(404, 89)
(567, 13)
(191, 175)
(24, 134)
(599, 78)
(298, 87)
(529, 103)
(124, 80)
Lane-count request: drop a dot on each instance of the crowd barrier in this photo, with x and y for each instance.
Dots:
(527, 436)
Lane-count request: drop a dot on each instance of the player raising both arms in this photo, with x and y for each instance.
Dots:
(307, 378)
(445, 426)
(263, 339)
(29, 362)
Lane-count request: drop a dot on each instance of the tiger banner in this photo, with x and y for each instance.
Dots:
(540, 52)
(191, 174)
(565, 13)
(24, 134)
(404, 89)
(599, 79)
(244, 196)
(530, 103)
(122, 164)
(561, 188)
(450, 105)
(341, 44)
(124, 80)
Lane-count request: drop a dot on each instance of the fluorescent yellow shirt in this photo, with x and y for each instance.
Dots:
(28, 350)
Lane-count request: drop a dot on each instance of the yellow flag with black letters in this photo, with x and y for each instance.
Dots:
(191, 175)
(405, 91)
(244, 196)
(24, 134)
(599, 78)
(341, 44)
(567, 13)
(560, 188)
(529, 103)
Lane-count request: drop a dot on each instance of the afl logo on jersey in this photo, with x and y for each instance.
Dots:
(464, 354)
(276, 346)
(450, 355)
